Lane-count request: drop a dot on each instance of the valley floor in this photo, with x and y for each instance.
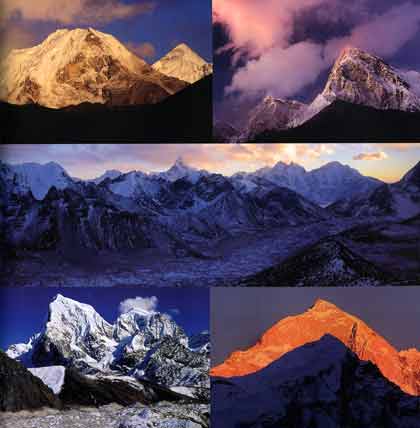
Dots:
(112, 416)
(225, 263)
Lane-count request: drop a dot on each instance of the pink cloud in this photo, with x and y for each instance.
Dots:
(383, 35)
(259, 25)
(280, 72)
(262, 29)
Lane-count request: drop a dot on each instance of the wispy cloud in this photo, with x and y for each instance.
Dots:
(143, 50)
(74, 11)
(371, 156)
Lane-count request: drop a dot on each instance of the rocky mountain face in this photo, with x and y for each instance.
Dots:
(400, 200)
(141, 345)
(357, 77)
(78, 66)
(324, 318)
(271, 114)
(21, 390)
(184, 64)
(320, 384)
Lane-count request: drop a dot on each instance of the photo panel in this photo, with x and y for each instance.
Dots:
(111, 357)
(318, 71)
(205, 215)
(106, 71)
(319, 357)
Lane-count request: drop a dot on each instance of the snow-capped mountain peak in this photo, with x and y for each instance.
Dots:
(181, 170)
(139, 344)
(81, 65)
(75, 319)
(362, 78)
(39, 178)
(184, 64)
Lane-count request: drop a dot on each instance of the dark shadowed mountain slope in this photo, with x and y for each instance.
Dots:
(321, 384)
(187, 115)
(343, 121)
(20, 390)
(328, 263)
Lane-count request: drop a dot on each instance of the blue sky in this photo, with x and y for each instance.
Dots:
(160, 23)
(25, 310)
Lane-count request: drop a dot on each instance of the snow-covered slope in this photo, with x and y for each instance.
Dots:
(141, 344)
(52, 376)
(36, 178)
(321, 384)
(111, 174)
(323, 185)
(184, 64)
(81, 65)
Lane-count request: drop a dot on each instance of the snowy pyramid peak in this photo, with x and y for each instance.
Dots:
(362, 78)
(184, 64)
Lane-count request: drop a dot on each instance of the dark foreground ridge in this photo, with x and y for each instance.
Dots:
(343, 121)
(21, 390)
(187, 115)
(321, 384)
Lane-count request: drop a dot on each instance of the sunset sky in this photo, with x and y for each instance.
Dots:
(240, 316)
(288, 51)
(149, 27)
(387, 162)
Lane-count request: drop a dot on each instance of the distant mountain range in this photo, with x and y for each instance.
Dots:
(185, 213)
(148, 347)
(316, 369)
(84, 84)
(364, 98)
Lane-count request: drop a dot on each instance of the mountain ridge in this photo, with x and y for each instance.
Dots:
(357, 78)
(324, 318)
(71, 67)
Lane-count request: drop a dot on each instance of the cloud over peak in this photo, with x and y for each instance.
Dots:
(282, 56)
(144, 304)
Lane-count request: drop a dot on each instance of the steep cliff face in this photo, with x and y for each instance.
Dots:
(321, 319)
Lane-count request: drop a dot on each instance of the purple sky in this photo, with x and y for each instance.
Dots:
(239, 316)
